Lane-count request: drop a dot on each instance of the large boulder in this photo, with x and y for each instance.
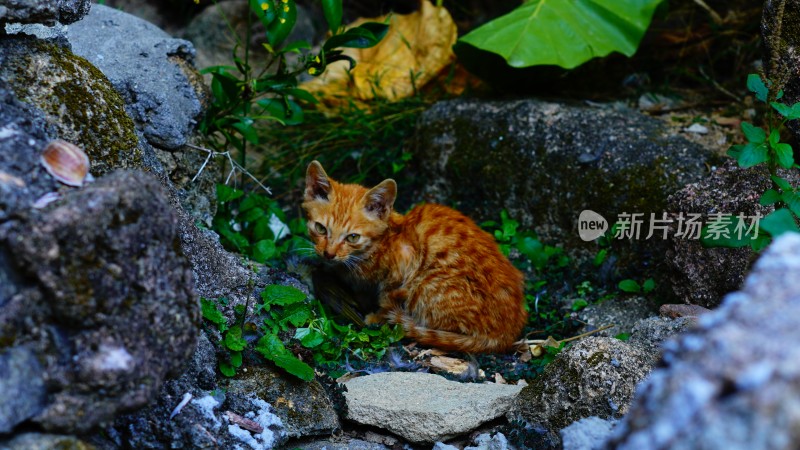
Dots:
(780, 22)
(734, 382)
(595, 377)
(700, 275)
(546, 162)
(107, 316)
(154, 72)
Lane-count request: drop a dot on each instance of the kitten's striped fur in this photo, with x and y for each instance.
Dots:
(440, 276)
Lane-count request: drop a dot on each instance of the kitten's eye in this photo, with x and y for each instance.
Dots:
(353, 238)
(319, 228)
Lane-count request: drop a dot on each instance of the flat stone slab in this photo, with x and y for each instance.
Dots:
(425, 408)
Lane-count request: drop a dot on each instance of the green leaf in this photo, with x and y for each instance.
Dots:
(236, 359)
(756, 86)
(565, 33)
(263, 251)
(245, 127)
(782, 183)
(579, 304)
(753, 154)
(226, 193)
(279, 29)
(649, 285)
(227, 369)
(629, 286)
(332, 10)
(778, 222)
(211, 312)
(233, 339)
(623, 336)
(769, 197)
(282, 295)
(302, 95)
(294, 366)
(785, 155)
(309, 338)
(272, 348)
(600, 257)
(262, 231)
(365, 35)
(784, 110)
(297, 314)
(753, 133)
(792, 200)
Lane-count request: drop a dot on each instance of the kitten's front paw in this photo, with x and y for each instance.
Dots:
(373, 319)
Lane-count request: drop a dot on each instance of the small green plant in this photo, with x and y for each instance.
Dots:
(285, 311)
(633, 286)
(764, 146)
(246, 97)
(538, 255)
(232, 342)
(255, 226)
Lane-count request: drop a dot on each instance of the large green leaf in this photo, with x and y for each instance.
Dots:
(565, 33)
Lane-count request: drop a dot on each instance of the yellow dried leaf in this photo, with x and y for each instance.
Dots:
(413, 52)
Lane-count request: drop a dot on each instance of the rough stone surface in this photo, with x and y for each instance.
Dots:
(108, 316)
(649, 334)
(780, 37)
(589, 433)
(152, 71)
(40, 441)
(343, 444)
(75, 98)
(701, 275)
(595, 377)
(623, 311)
(304, 407)
(46, 12)
(21, 380)
(425, 408)
(734, 382)
(546, 162)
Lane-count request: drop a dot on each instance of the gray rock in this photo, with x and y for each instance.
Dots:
(46, 12)
(546, 162)
(340, 444)
(595, 377)
(425, 408)
(108, 316)
(152, 71)
(75, 99)
(649, 334)
(21, 378)
(734, 382)
(40, 441)
(589, 433)
(701, 275)
(622, 311)
(304, 407)
(485, 441)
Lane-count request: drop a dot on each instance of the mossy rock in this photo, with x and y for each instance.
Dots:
(546, 162)
(75, 98)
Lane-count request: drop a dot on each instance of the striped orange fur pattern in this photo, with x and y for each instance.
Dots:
(439, 275)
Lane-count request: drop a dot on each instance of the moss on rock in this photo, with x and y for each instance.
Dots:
(76, 99)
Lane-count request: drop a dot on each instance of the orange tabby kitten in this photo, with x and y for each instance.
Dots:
(439, 275)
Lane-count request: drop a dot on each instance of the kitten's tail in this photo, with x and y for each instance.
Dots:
(448, 340)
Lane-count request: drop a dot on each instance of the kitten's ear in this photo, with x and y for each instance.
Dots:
(317, 183)
(380, 199)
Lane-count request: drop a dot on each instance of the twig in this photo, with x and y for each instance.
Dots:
(235, 167)
(714, 16)
(542, 341)
(718, 86)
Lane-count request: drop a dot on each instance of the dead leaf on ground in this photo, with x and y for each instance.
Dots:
(415, 50)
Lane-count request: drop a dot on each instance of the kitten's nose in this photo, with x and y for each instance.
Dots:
(328, 255)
